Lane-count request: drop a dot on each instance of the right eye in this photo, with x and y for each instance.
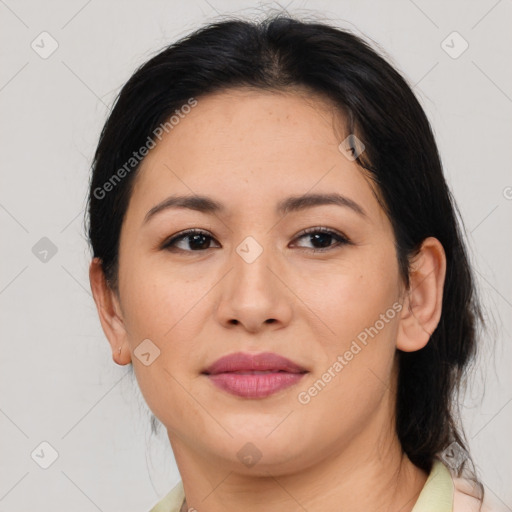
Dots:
(196, 239)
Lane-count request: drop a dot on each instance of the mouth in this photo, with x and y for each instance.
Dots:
(254, 375)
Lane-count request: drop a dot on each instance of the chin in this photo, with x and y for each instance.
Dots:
(258, 453)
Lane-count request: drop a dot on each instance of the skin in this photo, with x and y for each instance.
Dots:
(249, 150)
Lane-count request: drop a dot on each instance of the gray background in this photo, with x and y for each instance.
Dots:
(58, 381)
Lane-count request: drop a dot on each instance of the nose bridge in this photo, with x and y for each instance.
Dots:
(253, 295)
(251, 259)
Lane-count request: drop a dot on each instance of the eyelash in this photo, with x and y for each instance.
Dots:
(341, 240)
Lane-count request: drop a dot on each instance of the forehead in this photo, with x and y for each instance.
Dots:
(248, 145)
(239, 122)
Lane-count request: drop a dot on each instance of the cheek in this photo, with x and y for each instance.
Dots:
(359, 305)
(351, 296)
(168, 310)
(352, 381)
(158, 300)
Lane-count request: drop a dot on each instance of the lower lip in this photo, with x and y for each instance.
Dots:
(255, 385)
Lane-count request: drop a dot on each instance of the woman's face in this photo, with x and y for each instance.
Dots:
(252, 283)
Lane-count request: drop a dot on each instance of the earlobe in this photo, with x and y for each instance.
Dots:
(423, 300)
(109, 313)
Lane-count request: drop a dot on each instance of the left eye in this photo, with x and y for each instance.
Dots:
(198, 240)
(324, 237)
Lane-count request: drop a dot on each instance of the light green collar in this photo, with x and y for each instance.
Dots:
(437, 493)
(173, 501)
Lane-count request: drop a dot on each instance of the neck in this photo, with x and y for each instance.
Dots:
(368, 474)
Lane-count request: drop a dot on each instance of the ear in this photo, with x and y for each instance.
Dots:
(423, 300)
(109, 311)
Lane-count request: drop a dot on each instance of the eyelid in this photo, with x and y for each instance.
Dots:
(322, 229)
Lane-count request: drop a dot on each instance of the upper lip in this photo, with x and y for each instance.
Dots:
(241, 361)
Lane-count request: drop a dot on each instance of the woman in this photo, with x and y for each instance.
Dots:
(277, 255)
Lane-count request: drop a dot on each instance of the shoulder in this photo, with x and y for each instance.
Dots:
(445, 492)
(467, 497)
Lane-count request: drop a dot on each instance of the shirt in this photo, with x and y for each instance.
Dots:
(441, 493)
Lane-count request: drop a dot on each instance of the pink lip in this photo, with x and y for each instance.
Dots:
(240, 374)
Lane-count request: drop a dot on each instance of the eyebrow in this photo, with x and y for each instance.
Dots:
(208, 205)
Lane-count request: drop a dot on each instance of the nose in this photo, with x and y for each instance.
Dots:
(254, 295)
